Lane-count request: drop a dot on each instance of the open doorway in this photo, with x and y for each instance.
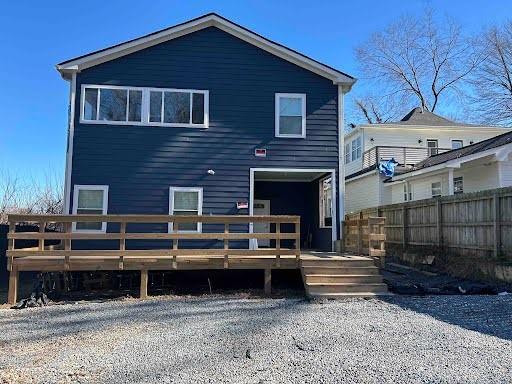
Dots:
(308, 193)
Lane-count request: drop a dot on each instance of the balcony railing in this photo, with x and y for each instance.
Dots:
(403, 155)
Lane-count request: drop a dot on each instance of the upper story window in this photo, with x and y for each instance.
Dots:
(456, 144)
(102, 104)
(347, 153)
(436, 189)
(356, 148)
(290, 115)
(432, 146)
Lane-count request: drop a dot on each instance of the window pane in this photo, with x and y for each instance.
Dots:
(187, 226)
(456, 144)
(113, 104)
(327, 202)
(184, 200)
(290, 106)
(135, 106)
(176, 107)
(155, 107)
(290, 125)
(91, 104)
(92, 199)
(198, 108)
(89, 225)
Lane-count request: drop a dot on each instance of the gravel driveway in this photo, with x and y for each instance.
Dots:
(438, 339)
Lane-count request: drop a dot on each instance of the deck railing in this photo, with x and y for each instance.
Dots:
(403, 155)
(365, 236)
(69, 258)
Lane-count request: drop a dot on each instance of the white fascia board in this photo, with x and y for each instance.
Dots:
(196, 25)
(454, 128)
(455, 163)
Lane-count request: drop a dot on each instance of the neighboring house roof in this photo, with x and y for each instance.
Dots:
(482, 148)
(66, 68)
(420, 116)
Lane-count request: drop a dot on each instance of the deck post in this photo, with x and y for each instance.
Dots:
(268, 281)
(144, 284)
(12, 296)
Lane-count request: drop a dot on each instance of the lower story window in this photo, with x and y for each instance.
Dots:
(436, 189)
(184, 201)
(458, 185)
(90, 200)
(326, 202)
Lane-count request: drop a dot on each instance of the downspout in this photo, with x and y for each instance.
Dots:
(69, 148)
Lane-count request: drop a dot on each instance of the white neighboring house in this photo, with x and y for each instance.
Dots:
(420, 135)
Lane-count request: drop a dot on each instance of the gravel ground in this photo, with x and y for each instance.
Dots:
(231, 339)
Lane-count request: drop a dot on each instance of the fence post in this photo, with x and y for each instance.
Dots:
(439, 223)
(497, 225)
(360, 234)
(404, 228)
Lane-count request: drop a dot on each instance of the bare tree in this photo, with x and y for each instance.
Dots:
(30, 196)
(492, 81)
(420, 60)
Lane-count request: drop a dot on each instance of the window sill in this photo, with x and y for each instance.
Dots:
(141, 124)
(291, 136)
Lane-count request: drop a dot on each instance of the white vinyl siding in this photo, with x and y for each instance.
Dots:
(362, 193)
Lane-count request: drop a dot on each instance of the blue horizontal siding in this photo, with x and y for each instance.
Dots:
(139, 163)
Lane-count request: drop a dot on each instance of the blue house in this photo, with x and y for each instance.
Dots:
(206, 118)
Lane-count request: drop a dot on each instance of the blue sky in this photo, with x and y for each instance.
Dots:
(36, 35)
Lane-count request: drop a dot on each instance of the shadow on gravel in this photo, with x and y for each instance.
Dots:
(68, 320)
(490, 315)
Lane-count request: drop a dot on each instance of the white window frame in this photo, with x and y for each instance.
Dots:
(356, 148)
(407, 192)
(145, 106)
(431, 151)
(348, 153)
(440, 189)
(199, 190)
(461, 179)
(76, 190)
(321, 202)
(457, 140)
(302, 97)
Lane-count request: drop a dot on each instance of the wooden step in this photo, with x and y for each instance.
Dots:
(320, 288)
(343, 295)
(352, 263)
(333, 270)
(342, 278)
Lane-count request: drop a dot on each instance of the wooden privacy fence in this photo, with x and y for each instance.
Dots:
(477, 224)
(365, 235)
(66, 258)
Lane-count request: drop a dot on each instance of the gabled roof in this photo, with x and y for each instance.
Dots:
(66, 68)
(420, 116)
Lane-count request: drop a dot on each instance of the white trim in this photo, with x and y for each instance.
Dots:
(69, 149)
(334, 231)
(451, 186)
(435, 128)
(321, 203)
(145, 106)
(199, 191)
(455, 163)
(302, 98)
(452, 140)
(206, 21)
(341, 160)
(76, 190)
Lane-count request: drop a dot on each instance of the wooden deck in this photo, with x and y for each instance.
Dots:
(65, 257)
